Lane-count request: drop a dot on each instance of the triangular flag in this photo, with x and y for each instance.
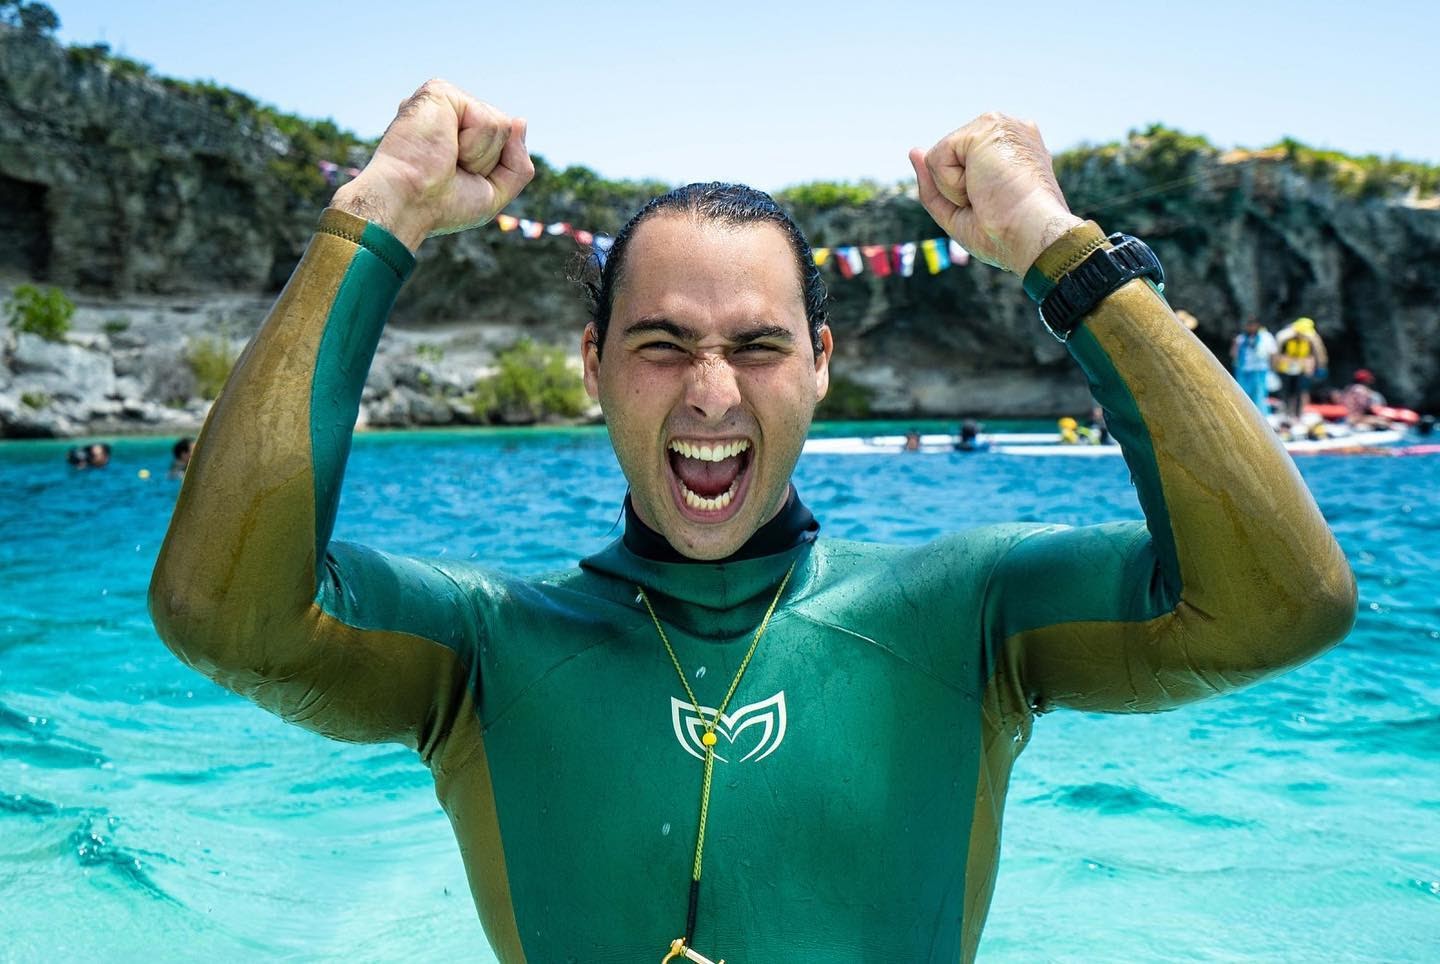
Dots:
(905, 258)
(584, 237)
(958, 255)
(558, 228)
(532, 229)
(849, 262)
(878, 257)
(821, 255)
(507, 222)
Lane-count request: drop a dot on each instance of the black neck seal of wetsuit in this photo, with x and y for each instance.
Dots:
(793, 525)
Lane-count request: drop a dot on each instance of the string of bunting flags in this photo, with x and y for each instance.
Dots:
(882, 260)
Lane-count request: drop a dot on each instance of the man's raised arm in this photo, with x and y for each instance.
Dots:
(1234, 577)
(248, 588)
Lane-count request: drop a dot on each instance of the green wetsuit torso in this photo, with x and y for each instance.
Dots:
(855, 814)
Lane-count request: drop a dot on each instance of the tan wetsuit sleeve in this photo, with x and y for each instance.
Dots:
(1235, 575)
(248, 589)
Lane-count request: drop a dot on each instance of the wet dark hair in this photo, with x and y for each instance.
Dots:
(181, 447)
(714, 201)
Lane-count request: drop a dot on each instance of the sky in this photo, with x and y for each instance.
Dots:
(778, 93)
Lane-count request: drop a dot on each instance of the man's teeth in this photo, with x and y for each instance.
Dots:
(709, 505)
(709, 453)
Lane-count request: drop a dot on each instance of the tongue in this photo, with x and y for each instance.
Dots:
(707, 479)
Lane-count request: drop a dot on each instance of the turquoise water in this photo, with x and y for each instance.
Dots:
(147, 815)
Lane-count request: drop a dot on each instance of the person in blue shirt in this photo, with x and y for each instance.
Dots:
(1250, 354)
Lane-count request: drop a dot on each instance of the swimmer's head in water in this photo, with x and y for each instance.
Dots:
(710, 374)
(721, 203)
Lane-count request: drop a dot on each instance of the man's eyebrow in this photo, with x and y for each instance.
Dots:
(762, 333)
(661, 326)
(664, 326)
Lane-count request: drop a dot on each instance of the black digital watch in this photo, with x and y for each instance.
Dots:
(1106, 269)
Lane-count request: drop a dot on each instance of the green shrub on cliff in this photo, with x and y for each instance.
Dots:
(210, 358)
(40, 311)
(825, 195)
(531, 382)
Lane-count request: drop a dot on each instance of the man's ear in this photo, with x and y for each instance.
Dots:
(590, 358)
(822, 363)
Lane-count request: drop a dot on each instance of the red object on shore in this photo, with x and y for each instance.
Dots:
(1336, 413)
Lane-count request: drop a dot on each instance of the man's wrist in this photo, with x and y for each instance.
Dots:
(1038, 230)
(380, 207)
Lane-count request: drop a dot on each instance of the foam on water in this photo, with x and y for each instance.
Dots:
(147, 815)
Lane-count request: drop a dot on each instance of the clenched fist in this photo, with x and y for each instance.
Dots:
(447, 162)
(991, 186)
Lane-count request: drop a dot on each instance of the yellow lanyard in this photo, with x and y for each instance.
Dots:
(708, 738)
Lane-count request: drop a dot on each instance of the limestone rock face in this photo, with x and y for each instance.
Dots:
(127, 193)
(114, 184)
(61, 370)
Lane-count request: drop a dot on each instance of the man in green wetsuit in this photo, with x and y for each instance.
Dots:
(862, 756)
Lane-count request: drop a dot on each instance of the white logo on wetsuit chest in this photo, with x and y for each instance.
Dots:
(768, 716)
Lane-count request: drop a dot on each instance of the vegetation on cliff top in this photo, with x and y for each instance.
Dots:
(1167, 157)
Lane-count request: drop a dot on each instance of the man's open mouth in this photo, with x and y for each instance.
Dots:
(710, 475)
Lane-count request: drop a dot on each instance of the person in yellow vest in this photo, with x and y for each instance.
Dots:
(1300, 357)
(1073, 433)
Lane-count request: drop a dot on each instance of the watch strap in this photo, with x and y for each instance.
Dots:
(1061, 255)
(1104, 270)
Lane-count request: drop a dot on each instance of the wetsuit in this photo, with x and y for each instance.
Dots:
(856, 815)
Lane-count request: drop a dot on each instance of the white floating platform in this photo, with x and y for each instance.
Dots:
(1048, 444)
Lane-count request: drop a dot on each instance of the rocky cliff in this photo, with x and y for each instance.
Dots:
(172, 212)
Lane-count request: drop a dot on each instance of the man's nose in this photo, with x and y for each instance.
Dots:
(712, 390)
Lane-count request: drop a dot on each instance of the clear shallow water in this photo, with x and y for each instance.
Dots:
(147, 815)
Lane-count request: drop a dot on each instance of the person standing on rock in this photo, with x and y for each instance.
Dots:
(1250, 355)
(850, 746)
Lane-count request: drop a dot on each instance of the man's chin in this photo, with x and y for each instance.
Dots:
(709, 542)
